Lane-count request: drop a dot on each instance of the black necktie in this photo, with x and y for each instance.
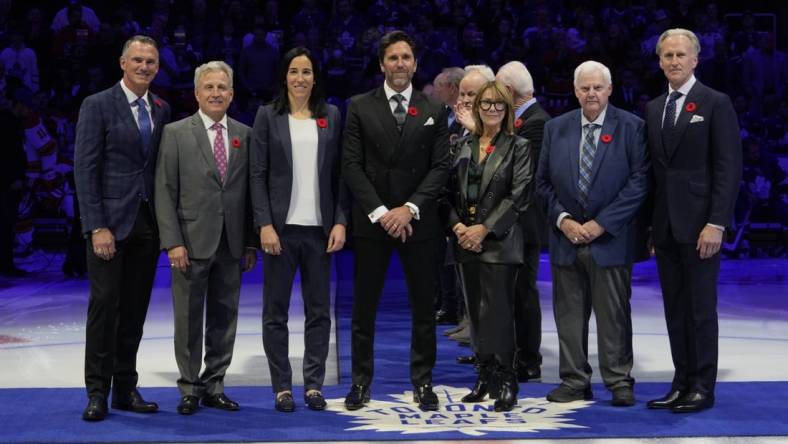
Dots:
(670, 111)
(399, 111)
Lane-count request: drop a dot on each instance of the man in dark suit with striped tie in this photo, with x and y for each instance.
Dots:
(693, 137)
(395, 163)
(117, 140)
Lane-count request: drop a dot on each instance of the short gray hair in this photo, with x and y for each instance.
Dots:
(453, 75)
(675, 32)
(214, 65)
(592, 66)
(484, 70)
(141, 39)
(516, 76)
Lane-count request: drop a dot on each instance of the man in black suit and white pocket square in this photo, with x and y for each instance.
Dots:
(117, 139)
(693, 137)
(204, 214)
(395, 163)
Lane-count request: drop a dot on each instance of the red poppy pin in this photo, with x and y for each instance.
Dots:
(322, 123)
(413, 111)
(518, 123)
(690, 107)
(606, 138)
(157, 101)
(236, 142)
(490, 148)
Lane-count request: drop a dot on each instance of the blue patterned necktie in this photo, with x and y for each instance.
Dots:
(399, 110)
(670, 111)
(586, 162)
(144, 123)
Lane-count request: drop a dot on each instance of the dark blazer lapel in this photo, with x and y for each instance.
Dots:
(463, 158)
(157, 115)
(412, 123)
(384, 115)
(322, 139)
(696, 94)
(203, 144)
(494, 159)
(609, 128)
(574, 133)
(283, 128)
(123, 108)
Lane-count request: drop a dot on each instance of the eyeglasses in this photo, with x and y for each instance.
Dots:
(486, 105)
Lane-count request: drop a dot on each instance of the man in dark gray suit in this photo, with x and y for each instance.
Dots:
(204, 219)
(117, 138)
(529, 122)
(592, 174)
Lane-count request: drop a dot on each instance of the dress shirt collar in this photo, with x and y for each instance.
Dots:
(131, 97)
(685, 88)
(390, 93)
(208, 122)
(519, 111)
(600, 119)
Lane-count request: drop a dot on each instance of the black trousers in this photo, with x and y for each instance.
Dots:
(119, 295)
(527, 312)
(489, 292)
(689, 292)
(418, 263)
(303, 248)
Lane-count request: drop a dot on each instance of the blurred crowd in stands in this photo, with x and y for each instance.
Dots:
(55, 53)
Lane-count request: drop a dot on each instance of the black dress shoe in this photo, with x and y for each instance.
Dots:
(507, 398)
(525, 374)
(220, 401)
(285, 402)
(564, 393)
(357, 397)
(466, 359)
(133, 402)
(188, 405)
(96, 409)
(443, 317)
(479, 390)
(693, 402)
(666, 401)
(623, 397)
(315, 400)
(425, 397)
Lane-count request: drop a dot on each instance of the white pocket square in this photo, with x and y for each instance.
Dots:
(429, 122)
(696, 118)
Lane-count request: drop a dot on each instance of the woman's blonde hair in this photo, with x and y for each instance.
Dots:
(499, 92)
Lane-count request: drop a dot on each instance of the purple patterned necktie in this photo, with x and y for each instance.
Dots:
(219, 153)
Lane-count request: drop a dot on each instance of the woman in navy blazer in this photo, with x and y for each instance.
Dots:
(300, 213)
(490, 186)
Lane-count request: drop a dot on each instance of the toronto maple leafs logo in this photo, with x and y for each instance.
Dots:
(401, 415)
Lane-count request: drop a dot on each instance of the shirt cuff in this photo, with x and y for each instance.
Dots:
(561, 218)
(377, 213)
(414, 210)
(719, 227)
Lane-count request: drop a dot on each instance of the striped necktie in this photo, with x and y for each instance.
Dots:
(586, 162)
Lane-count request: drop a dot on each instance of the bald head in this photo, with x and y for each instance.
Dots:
(470, 85)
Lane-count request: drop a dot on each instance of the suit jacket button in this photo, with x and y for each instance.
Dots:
(484, 211)
(489, 195)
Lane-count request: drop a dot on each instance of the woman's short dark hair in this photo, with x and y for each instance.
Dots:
(317, 101)
(392, 38)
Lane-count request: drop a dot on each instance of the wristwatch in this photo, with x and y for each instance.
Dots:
(97, 230)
